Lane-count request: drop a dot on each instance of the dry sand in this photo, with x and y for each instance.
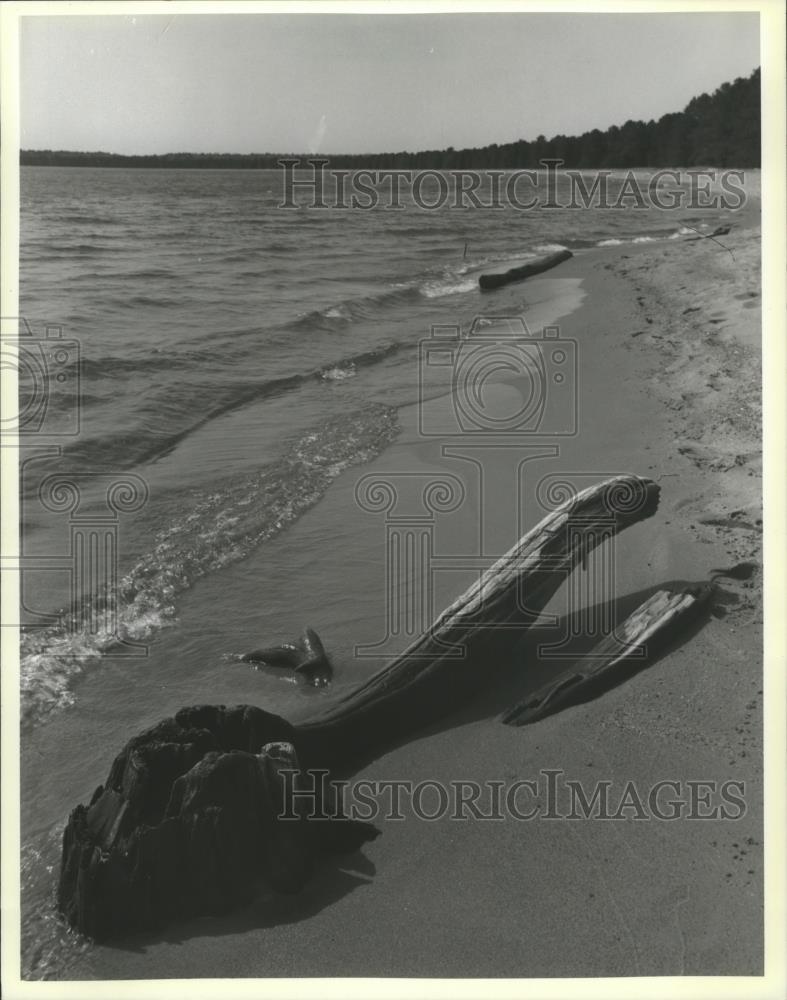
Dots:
(668, 337)
(701, 317)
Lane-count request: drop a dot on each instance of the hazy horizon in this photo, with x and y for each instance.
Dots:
(361, 83)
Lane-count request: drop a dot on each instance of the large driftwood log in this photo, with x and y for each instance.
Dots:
(444, 666)
(190, 818)
(487, 282)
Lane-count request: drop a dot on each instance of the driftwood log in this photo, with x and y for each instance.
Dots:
(306, 657)
(487, 282)
(633, 643)
(190, 819)
(718, 231)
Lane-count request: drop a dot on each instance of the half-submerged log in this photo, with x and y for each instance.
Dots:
(192, 818)
(487, 282)
(718, 231)
(306, 657)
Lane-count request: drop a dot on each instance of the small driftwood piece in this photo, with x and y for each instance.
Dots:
(307, 657)
(487, 282)
(631, 646)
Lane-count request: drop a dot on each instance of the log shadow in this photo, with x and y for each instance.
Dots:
(517, 670)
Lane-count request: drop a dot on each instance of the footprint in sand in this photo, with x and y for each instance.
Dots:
(705, 457)
(735, 523)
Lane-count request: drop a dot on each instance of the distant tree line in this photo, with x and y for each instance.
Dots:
(721, 129)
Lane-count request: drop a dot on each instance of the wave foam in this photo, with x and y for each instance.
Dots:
(219, 529)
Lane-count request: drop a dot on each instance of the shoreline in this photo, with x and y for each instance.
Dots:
(524, 899)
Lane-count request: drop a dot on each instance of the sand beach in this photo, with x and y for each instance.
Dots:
(669, 382)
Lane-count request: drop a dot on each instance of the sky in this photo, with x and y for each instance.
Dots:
(361, 83)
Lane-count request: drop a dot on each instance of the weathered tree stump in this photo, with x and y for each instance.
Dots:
(190, 819)
(189, 823)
